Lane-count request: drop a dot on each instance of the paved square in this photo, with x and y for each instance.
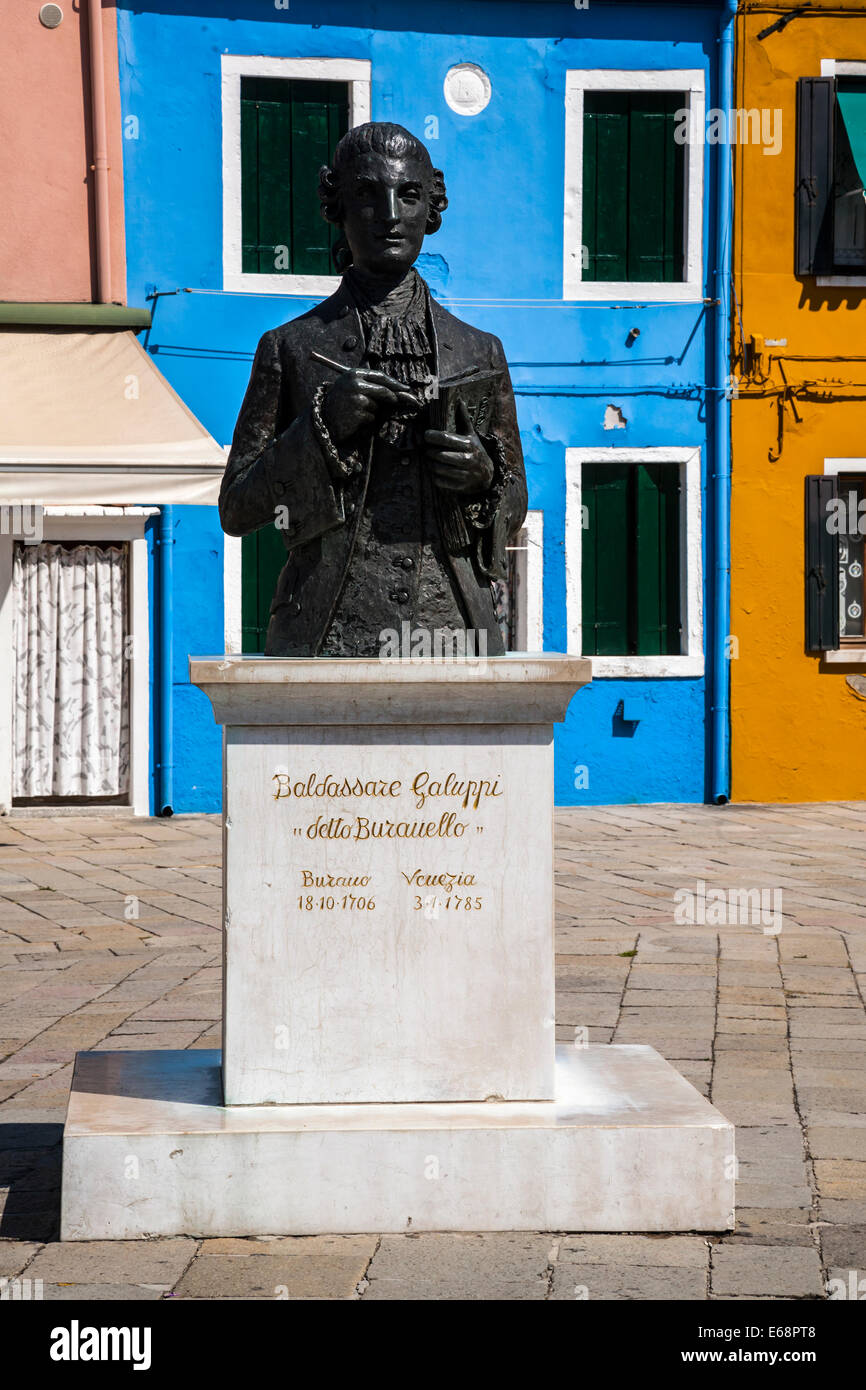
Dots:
(733, 940)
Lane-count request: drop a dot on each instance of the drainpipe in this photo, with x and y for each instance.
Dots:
(99, 131)
(165, 648)
(720, 710)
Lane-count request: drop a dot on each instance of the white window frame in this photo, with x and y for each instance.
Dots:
(528, 546)
(691, 661)
(232, 588)
(234, 66)
(101, 525)
(232, 591)
(847, 655)
(580, 80)
(834, 67)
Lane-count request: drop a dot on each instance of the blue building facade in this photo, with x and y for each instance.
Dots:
(522, 106)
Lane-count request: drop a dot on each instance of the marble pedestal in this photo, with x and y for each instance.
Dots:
(629, 1145)
(388, 1057)
(388, 889)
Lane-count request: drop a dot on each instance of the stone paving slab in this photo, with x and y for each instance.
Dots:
(496, 1265)
(109, 939)
(627, 1282)
(306, 1267)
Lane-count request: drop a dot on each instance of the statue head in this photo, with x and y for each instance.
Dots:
(381, 189)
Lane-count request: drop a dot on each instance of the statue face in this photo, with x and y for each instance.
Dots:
(385, 210)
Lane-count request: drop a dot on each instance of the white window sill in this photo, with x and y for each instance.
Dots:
(840, 281)
(310, 286)
(636, 292)
(646, 667)
(846, 656)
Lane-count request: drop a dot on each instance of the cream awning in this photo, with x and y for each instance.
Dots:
(85, 417)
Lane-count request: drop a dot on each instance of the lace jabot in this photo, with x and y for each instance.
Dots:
(395, 324)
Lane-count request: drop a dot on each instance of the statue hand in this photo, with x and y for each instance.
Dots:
(458, 462)
(356, 397)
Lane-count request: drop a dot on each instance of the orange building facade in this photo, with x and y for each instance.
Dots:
(798, 639)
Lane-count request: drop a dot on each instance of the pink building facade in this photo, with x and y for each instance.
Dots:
(99, 457)
(49, 245)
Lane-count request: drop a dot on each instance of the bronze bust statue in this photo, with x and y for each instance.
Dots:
(378, 431)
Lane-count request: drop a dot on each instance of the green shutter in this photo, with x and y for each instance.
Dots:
(311, 148)
(606, 563)
(263, 555)
(630, 579)
(589, 231)
(288, 131)
(605, 188)
(633, 186)
(657, 560)
(249, 186)
(275, 184)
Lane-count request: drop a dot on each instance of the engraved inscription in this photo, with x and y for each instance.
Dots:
(424, 791)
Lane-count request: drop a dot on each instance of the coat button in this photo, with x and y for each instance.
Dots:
(350, 508)
(350, 344)
(344, 309)
(402, 596)
(408, 563)
(293, 608)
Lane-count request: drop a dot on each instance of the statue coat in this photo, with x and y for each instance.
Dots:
(277, 461)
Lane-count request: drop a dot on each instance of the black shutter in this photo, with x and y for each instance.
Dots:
(822, 566)
(816, 105)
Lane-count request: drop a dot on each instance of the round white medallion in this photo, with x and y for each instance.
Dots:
(467, 89)
(50, 16)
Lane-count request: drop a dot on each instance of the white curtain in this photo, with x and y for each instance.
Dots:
(71, 720)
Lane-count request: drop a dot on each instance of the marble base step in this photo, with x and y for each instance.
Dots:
(628, 1145)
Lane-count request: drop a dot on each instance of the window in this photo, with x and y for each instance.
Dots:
(289, 129)
(634, 153)
(633, 560)
(836, 563)
(282, 118)
(632, 186)
(831, 171)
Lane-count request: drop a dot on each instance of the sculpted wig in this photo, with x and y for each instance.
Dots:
(376, 137)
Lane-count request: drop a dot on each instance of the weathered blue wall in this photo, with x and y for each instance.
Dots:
(500, 242)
